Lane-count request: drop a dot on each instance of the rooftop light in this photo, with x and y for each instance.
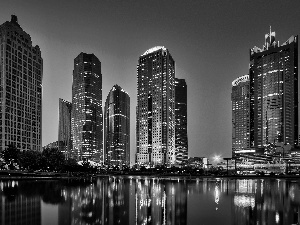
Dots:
(154, 49)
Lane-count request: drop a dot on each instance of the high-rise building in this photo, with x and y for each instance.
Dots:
(155, 120)
(117, 127)
(181, 137)
(64, 127)
(87, 119)
(21, 72)
(240, 100)
(274, 93)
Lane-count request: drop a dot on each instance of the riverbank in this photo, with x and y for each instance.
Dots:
(18, 175)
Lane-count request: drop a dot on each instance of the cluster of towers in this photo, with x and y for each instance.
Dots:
(86, 131)
(265, 103)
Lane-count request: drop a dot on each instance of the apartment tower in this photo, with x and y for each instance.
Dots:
(117, 127)
(21, 73)
(155, 114)
(87, 119)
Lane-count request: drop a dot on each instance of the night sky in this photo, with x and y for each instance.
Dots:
(209, 41)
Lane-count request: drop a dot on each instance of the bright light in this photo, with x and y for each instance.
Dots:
(217, 158)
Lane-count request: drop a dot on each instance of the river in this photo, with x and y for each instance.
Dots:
(142, 200)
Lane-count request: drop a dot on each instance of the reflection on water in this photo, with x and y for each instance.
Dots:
(141, 200)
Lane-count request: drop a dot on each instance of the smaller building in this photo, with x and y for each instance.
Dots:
(198, 162)
(64, 128)
(181, 137)
(51, 145)
(117, 127)
(240, 99)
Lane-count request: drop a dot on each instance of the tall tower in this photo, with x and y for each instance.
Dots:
(117, 127)
(181, 137)
(64, 127)
(155, 120)
(21, 73)
(274, 93)
(87, 119)
(240, 100)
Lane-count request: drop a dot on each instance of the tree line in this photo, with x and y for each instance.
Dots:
(50, 160)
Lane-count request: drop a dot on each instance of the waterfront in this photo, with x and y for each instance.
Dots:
(140, 200)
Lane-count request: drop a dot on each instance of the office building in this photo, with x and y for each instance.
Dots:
(87, 119)
(117, 127)
(21, 72)
(155, 114)
(64, 128)
(181, 137)
(240, 100)
(274, 93)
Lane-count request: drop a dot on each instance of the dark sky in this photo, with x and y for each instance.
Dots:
(209, 41)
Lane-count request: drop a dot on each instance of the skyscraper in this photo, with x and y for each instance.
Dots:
(274, 93)
(21, 72)
(240, 100)
(117, 127)
(155, 114)
(181, 137)
(64, 127)
(87, 119)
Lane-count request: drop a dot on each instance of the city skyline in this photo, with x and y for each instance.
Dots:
(209, 40)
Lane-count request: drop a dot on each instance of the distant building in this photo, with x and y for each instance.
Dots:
(181, 137)
(117, 127)
(51, 145)
(87, 119)
(64, 127)
(155, 112)
(240, 100)
(274, 91)
(21, 73)
(198, 162)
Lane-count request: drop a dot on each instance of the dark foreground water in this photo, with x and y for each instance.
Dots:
(138, 200)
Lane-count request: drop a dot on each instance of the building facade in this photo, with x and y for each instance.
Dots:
(240, 100)
(87, 118)
(64, 128)
(155, 114)
(117, 127)
(274, 93)
(181, 136)
(21, 73)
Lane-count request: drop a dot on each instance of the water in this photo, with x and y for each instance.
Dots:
(141, 200)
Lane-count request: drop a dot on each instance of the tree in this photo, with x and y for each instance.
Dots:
(31, 160)
(53, 159)
(11, 155)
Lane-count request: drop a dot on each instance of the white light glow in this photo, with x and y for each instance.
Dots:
(154, 49)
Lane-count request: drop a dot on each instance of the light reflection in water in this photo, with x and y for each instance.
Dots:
(118, 200)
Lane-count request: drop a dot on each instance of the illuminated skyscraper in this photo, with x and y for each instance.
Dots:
(181, 138)
(117, 127)
(240, 100)
(21, 72)
(87, 120)
(155, 114)
(64, 127)
(274, 93)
